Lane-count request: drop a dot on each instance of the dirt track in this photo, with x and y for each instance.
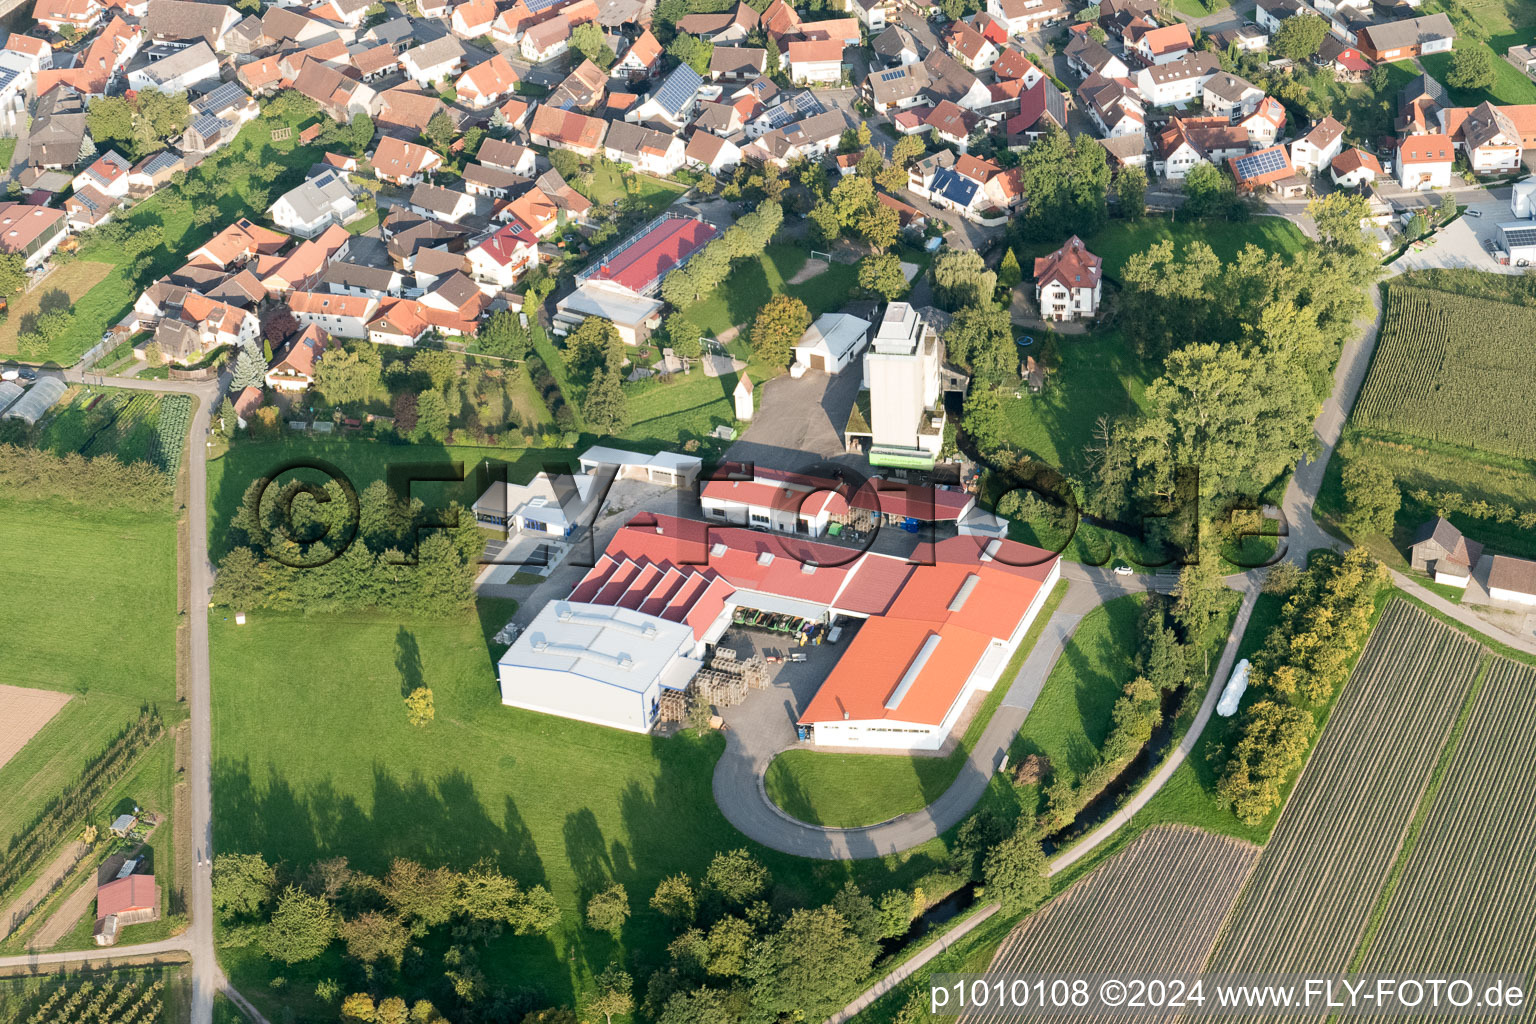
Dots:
(64, 919)
(24, 711)
(38, 891)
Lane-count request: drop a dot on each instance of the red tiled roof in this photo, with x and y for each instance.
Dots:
(665, 246)
(122, 895)
(1071, 266)
(813, 51)
(1426, 149)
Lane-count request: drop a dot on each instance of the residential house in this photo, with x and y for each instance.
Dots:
(873, 13)
(340, 97)
(646, 149)
(1347, 62)
(1087, 56)
(492, 182)
(1424, 162)
(949, 80)
(193, 68)
(1188, 142)
(108, 174)
(1494, 139)
(300, 269)
(972, 49)
(350, 13)
(502, 257)
(1244, 38)
(1355, 167)
(711, 152)
(546, 40)
(895, 45)
(1041, 105)
(403, 163)
(454, 303)
(724, 28)
(438, 60)
(1408, 38)
(187, 21)
(1316, 149)
(1125, 150)
(738, 63)
(309, 208)
(1069, 282)
(340, 316)
(1024, 16)
(1162, 44)
(1113, 105)
(1227, 95)
(674, 101)
(155, 171)
(88, 208)
(897, 88)
(1269, 169)
(32, 232)
(440, 203)
(80, 16)
(262, 77)
(1441, 550)
(640, 60)
(953, 125)
(1013, 66)
(376, 62)
(36, 52)
(237, 244)
(566, 129)
(1177, 81)
(346, 278)
(1270, 13)
(405, 112)
(1265, 123)
(472, 19)
(781, 21)
(293, 369)
(818, 62)
(583, 89)
(398, 322)
(487, 83)
(508, 156)
(58, 137)
(1419, 106)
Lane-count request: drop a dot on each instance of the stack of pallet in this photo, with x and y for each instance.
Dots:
(674, 705)
(722, 689)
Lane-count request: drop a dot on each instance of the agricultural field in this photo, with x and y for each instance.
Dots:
(151, 996)
(1310, 897)
(25, 712)
(134, 426)
(1453, 370)
(1463, 902)
(1154, 908)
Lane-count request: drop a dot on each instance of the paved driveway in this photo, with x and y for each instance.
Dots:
(1461, 243)
(799, 420)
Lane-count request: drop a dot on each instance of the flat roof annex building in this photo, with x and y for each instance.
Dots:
(937, 630)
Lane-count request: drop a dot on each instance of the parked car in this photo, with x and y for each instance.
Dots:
(1473, 213)
(27, 373)
(1121, 569)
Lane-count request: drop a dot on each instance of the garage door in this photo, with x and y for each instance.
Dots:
(818, 362)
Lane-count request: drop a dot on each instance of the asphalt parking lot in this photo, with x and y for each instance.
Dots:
(1461, 244)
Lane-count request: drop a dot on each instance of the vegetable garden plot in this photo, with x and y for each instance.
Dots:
(1465, 901)
(1308, 901)
(1453, 369)
(1155, 907)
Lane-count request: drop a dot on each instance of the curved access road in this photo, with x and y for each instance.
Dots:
(738, 779)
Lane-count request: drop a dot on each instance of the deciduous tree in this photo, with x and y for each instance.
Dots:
(779, 324)
(301, 927)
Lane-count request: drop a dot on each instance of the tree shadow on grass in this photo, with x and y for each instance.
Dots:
(408, 661)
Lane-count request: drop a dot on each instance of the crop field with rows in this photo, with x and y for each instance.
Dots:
(1309, 899)
(128, 998)
(133, 426)
(1154, 908)
(1465, 902)
(1453, 369)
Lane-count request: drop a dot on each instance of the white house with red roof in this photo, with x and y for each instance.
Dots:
(1022, 16)
(504, 256)
(640, 60)
(108, 174)
(1069, 282)
(294, 367)
(56, 15)
(487, 82)
(403, 163)
(1355, 167)
(815, 61)
(1161, 44)
(1315, 150)
(1424, 162)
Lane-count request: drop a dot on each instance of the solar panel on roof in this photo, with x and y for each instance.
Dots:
(535, 6)
(891, 76)
(1265, 161)
(164, 158)
(809, 105)
(678, 88)
(1514, 237)
(224, 95)
(779, 116)
(209, 126)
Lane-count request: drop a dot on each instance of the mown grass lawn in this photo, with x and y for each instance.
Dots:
(90, 609)
(682, 409)
(1119, 240)
(1509, 84)
(67, 286)
(863, 789)
(1099, 376)
(313, 758)
(604, 185)
(754, 281)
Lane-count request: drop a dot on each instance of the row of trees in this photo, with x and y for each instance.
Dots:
(140, 125)
(102, 482)
(1303, 662)
(385, 923)
(707, 270)
(1165, 665)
